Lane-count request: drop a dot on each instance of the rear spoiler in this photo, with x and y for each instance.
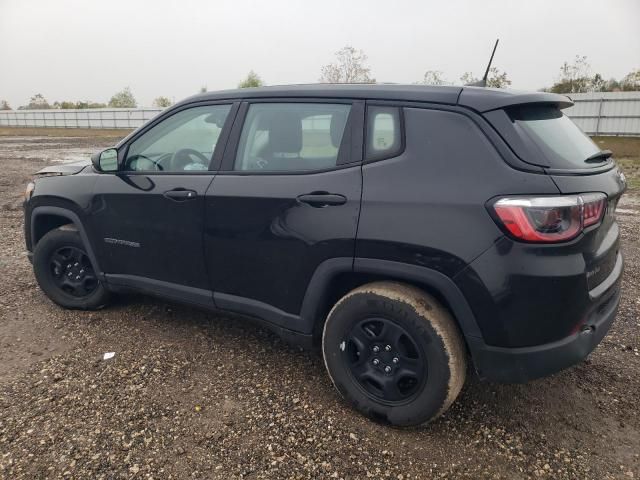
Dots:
(481, 100)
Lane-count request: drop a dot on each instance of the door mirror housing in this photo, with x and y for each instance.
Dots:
(106, 160)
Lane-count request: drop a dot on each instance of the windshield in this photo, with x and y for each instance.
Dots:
(562, 142)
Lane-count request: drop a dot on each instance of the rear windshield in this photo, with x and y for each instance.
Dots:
(561, 141)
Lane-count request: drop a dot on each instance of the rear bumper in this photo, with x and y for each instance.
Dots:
(518, 365)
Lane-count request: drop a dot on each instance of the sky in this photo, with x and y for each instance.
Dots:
(89, 49)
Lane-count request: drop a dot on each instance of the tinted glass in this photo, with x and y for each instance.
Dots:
(561, 140)
(383, 132)
(184, 141)
(291, 136)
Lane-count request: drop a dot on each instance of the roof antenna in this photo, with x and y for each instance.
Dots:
(483, 82)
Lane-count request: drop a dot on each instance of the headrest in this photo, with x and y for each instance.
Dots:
(285, 131)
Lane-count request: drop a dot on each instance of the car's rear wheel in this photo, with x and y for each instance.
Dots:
(65, 273)
(395, 353)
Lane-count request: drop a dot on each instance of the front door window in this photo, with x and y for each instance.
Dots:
(183, 142)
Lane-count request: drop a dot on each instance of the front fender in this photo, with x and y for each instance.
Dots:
(40, 211)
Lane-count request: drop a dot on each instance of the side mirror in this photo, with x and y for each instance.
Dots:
(106, 160)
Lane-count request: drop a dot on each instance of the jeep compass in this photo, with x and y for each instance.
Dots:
(409, 231)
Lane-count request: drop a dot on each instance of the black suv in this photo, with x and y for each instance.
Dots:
(408, 229)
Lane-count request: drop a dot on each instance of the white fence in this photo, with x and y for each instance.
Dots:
(606, 113)
(85, 118)
(597, 113)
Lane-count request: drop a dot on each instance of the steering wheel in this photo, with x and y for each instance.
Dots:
(137, 157)
(181, 158)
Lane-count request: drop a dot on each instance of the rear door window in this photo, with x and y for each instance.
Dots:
(291, 137)
(564, 145)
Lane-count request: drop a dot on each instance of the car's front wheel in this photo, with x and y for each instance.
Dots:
(65, 272)
(395, 353)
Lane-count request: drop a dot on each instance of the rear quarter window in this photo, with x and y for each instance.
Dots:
(560, 140)
(384, 132)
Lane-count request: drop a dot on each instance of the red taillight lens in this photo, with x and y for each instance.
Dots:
(593, 208)
(550, 219)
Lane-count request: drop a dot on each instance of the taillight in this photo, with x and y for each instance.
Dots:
(550, 219)
(593, 207)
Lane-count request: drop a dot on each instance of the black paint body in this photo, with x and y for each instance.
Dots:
(245, 242)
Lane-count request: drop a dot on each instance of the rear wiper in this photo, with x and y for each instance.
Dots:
(599, 157)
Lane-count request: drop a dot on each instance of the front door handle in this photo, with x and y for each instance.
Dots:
(322, 199)
(180, 195)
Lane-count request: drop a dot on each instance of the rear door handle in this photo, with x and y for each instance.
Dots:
(321, 199)
(180, 195)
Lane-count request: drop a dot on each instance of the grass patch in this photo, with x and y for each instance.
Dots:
(621, 147)
(631, 169)
(626, 151)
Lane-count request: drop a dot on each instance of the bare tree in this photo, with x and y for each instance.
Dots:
(252, 80)
(433, 77)
(4, 105)
(574, 77)
(350, 67)
(203, 89)
(468, 77)
(37, 102)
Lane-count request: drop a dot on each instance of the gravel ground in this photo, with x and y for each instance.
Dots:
(190, 394)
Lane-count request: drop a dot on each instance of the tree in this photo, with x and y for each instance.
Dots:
(4, 105)
(612, 85)
(66, 105)
(162, 102)
(89, 104)
(350, 67)
(203, 89)
(495, 79)
(468, 77)
(574, 77)
(123, 99)
(631, 81)
(433, 77)
(252, 80)
(37, 102)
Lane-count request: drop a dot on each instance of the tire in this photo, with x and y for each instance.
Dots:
(61, 254)
(425, 364)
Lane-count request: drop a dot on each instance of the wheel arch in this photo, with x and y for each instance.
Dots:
(336, 277)
(47, 218)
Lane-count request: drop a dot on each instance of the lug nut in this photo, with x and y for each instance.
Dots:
(388, 348)
(376, 361)
(395, 360)
(376, 349)
(387, 369)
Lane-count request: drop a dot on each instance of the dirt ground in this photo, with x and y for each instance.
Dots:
(190, 394)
